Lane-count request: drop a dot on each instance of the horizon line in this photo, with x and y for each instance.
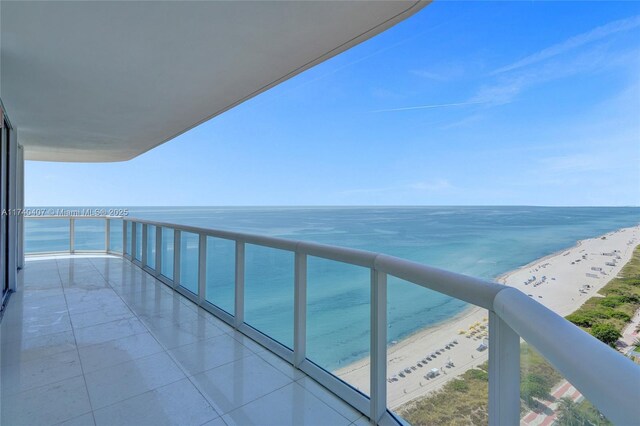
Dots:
(336, 205)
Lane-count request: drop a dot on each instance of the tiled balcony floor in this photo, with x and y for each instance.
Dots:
(96, 340)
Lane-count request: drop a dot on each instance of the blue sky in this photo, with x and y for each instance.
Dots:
(484, 103)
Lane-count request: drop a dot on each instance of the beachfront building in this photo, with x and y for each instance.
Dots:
(118, 326)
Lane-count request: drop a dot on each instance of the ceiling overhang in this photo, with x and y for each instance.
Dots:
(107, 81)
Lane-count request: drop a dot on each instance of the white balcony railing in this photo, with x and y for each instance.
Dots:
(606, 378)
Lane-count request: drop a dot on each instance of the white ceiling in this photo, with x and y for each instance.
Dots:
(107, 81)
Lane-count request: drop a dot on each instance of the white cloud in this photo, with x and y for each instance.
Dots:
(596, 59)
(500, 93)
(572, 43)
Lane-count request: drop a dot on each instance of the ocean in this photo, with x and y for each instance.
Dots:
(484, 242)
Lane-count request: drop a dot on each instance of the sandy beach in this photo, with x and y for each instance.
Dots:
(562, 281)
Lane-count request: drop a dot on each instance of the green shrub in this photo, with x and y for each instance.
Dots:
(602, 312)
(606, 333)
(581, 319)
(534, 386)
(589, 317)
(621, 316)
(612, 301)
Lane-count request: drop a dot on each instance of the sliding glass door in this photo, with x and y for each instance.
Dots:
(7, 179)
(4, 193)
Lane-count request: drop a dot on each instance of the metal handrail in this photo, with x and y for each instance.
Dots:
(608, 379)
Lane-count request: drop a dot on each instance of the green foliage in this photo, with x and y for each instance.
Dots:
(478, 374)
(459, 385)
(582, 319)
(588, 318)
(618, 298)
(612, 301)
(532, 363)
(570, 413)
(606, 333)
(534, 386)
(621, 316)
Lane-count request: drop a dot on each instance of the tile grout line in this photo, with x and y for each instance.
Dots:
(331, 394)
(166, 350)
(292, 380)
(84, 378)
(140, 394)
(190, 376)
(308, 390)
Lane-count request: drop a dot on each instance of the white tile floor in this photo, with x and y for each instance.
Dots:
(97, 341)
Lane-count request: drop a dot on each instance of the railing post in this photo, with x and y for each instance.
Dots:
(72, 235)
(504, 373)
(107, 234)
(378, 366)
(202, 268)
(239, 299)
(134, 240)
(143, 254)
(124, 238)
(158, 250)
(300, 310)
(176, 258)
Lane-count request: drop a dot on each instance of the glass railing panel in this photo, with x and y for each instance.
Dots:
(46, 235)
(89, 234)
(115, 235)
(547, 398)
(221, 273)
(437, 357)
(268, 294)
(129, 241)
(189, 261)
(151, 246)
(339, 319)
(138, 253)
(167, 253)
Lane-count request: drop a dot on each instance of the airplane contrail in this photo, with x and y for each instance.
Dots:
(429, 106)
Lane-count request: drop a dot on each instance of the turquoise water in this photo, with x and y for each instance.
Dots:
(479, 241)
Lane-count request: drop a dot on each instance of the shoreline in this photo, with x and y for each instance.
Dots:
(561, 288)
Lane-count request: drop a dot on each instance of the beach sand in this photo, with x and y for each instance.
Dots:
(559, 284)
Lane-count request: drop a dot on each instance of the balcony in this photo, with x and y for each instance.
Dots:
(137, 312)
(115, 320)
(94, 339)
